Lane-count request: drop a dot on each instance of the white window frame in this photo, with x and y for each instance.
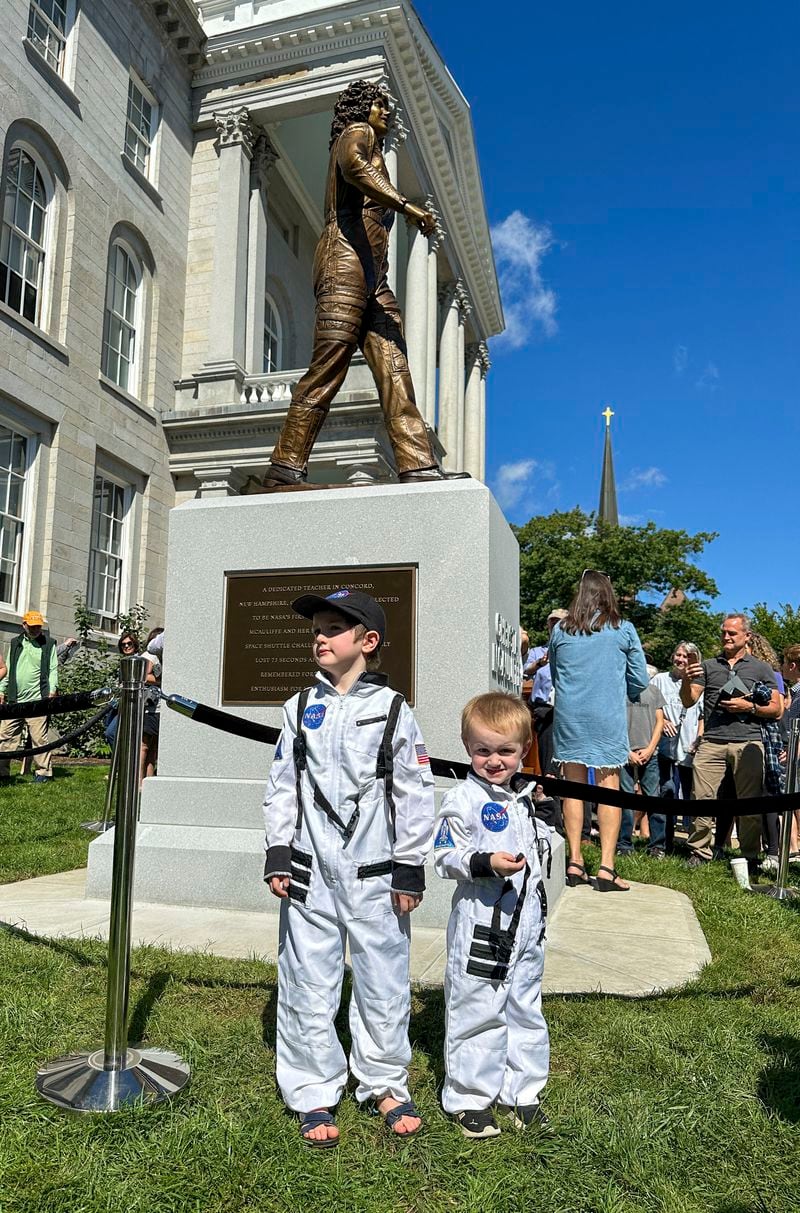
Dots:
(271, 334)
(109, 313)
(108, 623)
(28, 496)
(59, 63)
(134, 132)
(42, 248)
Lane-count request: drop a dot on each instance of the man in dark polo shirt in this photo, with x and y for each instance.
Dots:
(732, 732)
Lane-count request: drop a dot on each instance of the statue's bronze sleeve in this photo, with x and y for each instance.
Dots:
(354, 159)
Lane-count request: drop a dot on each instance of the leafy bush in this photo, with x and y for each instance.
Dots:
(95, 664)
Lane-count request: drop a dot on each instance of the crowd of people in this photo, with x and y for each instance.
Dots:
(29, 671)
(702, 730)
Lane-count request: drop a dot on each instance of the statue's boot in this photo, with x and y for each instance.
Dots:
(289, 462)
(433, 473)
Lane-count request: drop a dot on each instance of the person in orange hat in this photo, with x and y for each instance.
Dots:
(31, 674)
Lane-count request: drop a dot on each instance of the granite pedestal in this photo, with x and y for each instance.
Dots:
(200, 839)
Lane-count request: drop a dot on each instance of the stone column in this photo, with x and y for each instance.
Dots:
(472, 414)
(398, 133)
(483, 358)
(416, 319)
(434, 244)
(264, 157)
(464, 308)
(449, 373)
(227, 312)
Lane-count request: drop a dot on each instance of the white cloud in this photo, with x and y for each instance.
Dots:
(520, 246)
(680, 359)
(643, 478)
(514, 483)
(631, 520)
(709, 380)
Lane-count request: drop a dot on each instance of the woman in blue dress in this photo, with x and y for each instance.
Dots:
(597, 664)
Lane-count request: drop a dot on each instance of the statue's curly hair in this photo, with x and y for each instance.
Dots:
(353, 105)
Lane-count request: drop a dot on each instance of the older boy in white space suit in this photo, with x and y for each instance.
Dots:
(489, 841)
(349, 816)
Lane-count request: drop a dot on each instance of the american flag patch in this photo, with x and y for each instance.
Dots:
(422, 755)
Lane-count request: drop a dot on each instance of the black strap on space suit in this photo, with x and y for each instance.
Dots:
(384, 769)
(542, 844)
(490, 951)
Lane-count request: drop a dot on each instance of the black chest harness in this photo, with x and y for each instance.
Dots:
(384, 768)
(491, 947)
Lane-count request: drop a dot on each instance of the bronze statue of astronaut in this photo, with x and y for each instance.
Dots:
(355, 306)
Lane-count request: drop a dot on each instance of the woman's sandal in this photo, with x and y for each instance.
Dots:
(609, 886)
(312, 1120)
(391, 1117)
(572, 881)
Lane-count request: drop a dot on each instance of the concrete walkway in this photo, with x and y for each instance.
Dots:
(631, 944)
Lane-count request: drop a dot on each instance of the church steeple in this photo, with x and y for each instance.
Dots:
(607, 509)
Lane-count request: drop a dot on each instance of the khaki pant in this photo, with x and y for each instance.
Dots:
(11, 732)
(745, 759)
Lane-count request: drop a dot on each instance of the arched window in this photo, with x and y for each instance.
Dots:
(23, 235)
(123, 290)
(273, 337)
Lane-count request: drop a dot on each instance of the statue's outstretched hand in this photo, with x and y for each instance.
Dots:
(424, 220)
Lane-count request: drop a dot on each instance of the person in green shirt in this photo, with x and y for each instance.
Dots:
(32, 673)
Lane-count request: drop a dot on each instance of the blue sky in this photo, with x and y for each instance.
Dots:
(648, 156)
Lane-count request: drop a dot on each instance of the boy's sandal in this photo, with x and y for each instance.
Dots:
(312, 1120)
(391, 1117)
(609, 886)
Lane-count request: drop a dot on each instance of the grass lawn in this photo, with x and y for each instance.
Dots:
(681, 1103)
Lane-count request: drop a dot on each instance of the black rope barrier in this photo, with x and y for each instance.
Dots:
(67, 739)
(552, 784)
(55, 705)
(237, 725)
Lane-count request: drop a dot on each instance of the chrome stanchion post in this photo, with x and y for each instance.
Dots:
(100, 827)
(792, 784)
(115, 1076)
(781, 890)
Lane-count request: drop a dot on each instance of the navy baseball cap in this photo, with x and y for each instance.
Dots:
(353, 604)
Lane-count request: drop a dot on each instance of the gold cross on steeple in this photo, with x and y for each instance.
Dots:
(608, 414)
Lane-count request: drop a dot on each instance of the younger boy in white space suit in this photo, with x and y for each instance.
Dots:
(497, 1050)
(349, 813)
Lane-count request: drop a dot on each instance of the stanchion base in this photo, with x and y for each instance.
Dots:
(97, 827)
(775, 891)
(78, 1083)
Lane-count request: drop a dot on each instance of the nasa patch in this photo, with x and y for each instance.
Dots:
(494, 816)
(314, 715)
(279, 750)
(339, 594)
(444, 838)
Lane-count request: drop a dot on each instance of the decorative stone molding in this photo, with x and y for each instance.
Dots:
(219, 481)
(483, 357)
(263, 389)
(264, 157)
(235, 128)
(463, 300)
(398, 131)
(178, 20)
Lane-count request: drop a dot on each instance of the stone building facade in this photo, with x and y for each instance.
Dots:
(163, 169)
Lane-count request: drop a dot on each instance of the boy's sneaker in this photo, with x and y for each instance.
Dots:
(478, 1123)
(525, 1115)
(769, 863)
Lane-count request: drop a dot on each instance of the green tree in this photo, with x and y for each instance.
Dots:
(643, 562)
(781, 627)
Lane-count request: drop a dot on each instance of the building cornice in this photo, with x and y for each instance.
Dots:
(273, 62)
(178, 20)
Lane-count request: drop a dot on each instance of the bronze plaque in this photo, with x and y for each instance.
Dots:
(266, 654)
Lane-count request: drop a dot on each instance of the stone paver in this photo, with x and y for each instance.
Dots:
(629, 943)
